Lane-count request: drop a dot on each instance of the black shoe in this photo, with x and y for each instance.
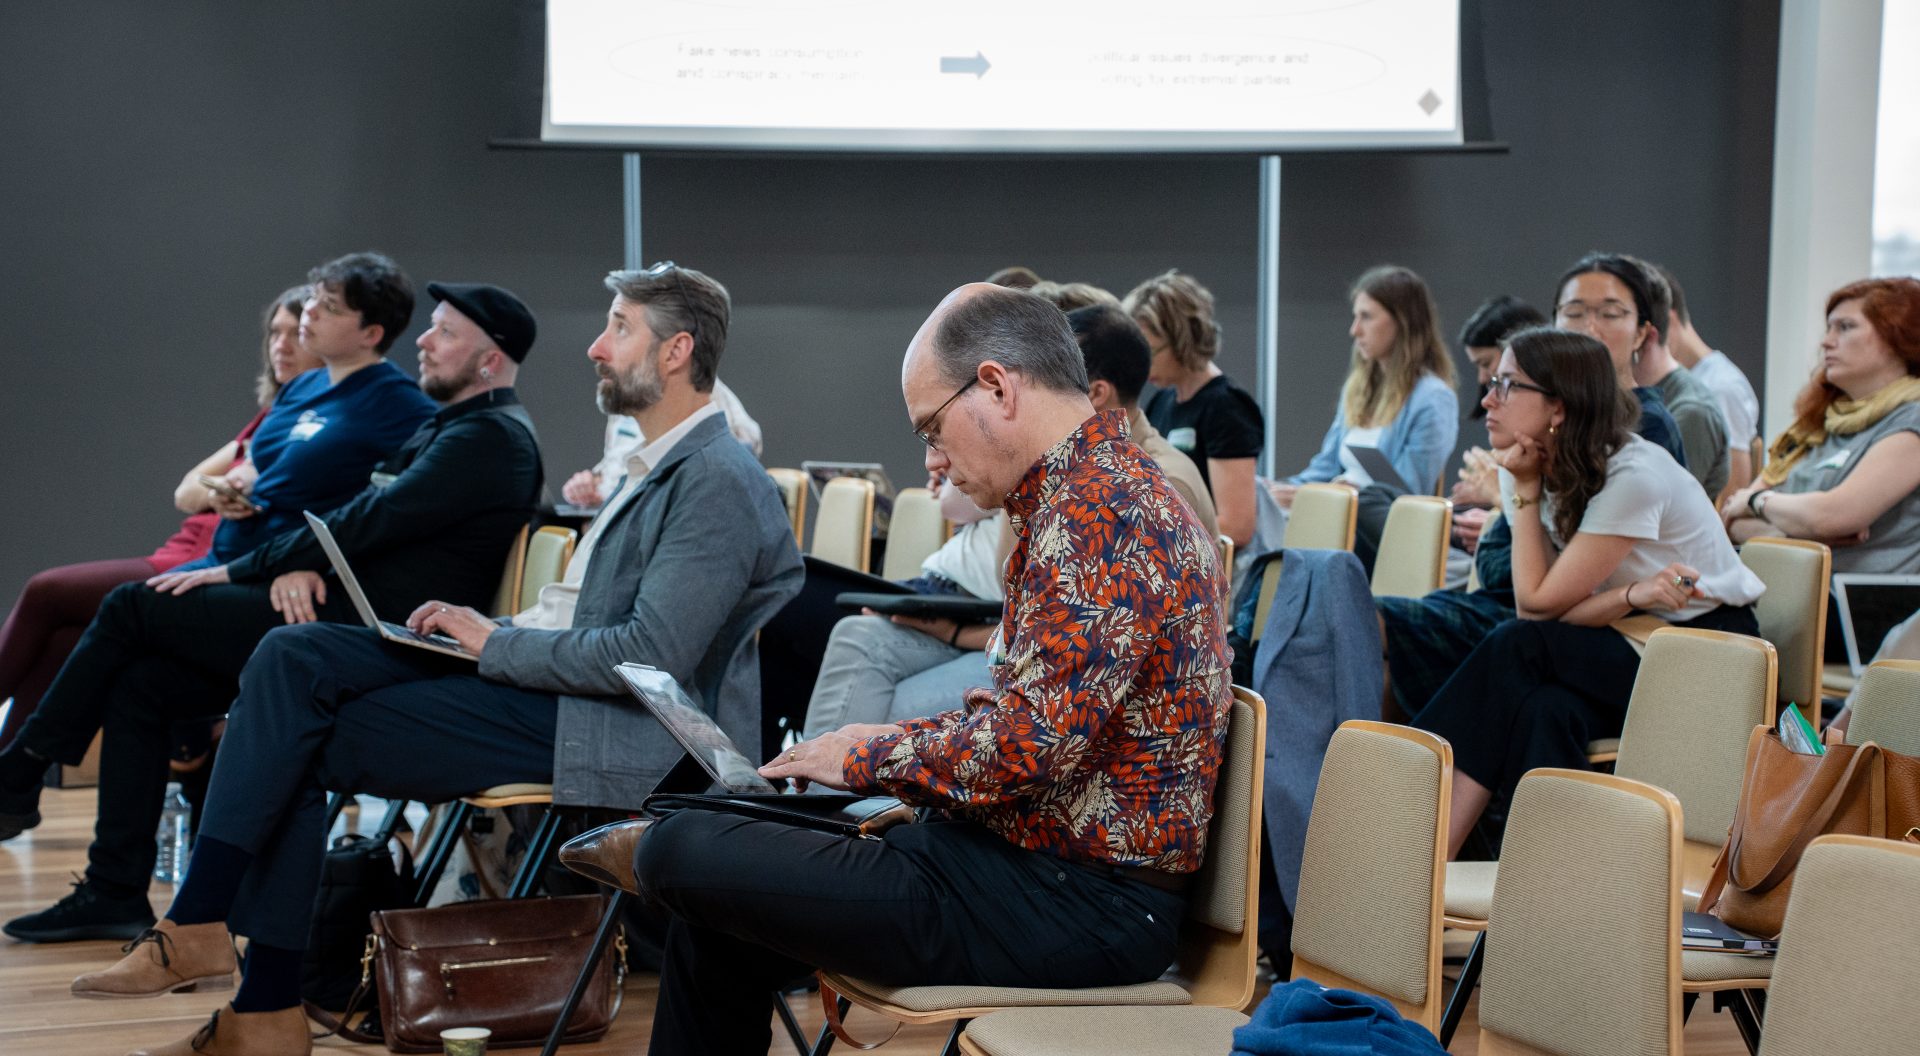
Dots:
(13, 824)
(88, 913)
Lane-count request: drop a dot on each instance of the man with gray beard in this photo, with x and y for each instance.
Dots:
(690, 556)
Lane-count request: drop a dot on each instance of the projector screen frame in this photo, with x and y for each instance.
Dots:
(1471, 132)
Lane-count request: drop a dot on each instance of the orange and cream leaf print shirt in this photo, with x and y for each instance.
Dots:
(1101, 737)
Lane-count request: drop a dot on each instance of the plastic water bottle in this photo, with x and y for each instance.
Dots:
(170, 865)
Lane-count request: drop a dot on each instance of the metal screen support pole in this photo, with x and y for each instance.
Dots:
(630, 198)
(1266, 371)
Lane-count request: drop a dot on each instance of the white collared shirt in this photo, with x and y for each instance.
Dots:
(554, 609)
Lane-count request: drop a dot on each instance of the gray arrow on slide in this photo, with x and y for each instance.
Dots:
(976, 65)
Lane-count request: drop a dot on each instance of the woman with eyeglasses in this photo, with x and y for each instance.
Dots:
(1847, 471)
(1605, 527)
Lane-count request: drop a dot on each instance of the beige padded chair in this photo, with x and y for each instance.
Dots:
(1793, 611)
(793, 492)
(1225, 546)
(1412, 562)
(1583, 952)
(1138, 1031)
(916, 530)
(843, 529)
(1684, 735)
(1887, 709)
(506, 599)
(1218, 944)
(1371, 880)
(547, 555)
(1847, 965)
(1323, 518)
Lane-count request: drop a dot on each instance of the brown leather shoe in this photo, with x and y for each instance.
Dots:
(605, 854)
(230, 1033)
(165, 959)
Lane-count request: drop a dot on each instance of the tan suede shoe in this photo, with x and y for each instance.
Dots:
(230, 1033)
(165, 959)
(606, 853)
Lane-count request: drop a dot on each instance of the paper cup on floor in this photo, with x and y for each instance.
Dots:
(465, 1041)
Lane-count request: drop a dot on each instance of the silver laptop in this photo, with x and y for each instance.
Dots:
(1378, 466)
(1872, 604)
(703, 738)
(392, 632)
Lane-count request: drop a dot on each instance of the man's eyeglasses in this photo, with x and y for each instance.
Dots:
(1501, 388)
(657, 270)
(928, 434)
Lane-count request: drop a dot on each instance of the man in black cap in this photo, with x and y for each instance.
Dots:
(436, 521)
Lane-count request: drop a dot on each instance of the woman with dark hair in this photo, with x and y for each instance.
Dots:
(59, 603)
(1605, 527)
(1846, 471)
(1199, 410)
(1607, 297)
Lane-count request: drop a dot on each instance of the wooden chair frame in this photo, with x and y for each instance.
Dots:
(793, 494)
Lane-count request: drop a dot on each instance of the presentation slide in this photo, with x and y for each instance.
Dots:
(1065, 75)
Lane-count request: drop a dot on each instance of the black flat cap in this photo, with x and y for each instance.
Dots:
(494, 310)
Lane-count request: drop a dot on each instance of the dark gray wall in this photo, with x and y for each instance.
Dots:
(170, 166)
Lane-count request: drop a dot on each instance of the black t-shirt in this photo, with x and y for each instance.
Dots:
(1220, 421)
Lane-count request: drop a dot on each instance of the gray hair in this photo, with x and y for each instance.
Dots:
(1015, 329)
(677, 299)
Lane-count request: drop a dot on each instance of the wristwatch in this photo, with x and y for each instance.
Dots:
(1757, 503)
(1521, 502)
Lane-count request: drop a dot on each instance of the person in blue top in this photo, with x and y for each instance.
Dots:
(332, 425)
(1398, 398)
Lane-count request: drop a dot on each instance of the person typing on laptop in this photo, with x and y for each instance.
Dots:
(687, 560)
(439, 517)
(1076, 789)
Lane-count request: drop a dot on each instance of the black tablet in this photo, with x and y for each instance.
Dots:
(955, 607)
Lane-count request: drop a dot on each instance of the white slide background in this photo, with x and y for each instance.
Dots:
(1070, 74)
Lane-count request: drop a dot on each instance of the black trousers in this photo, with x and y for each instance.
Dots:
(327, 707)
(755, 904)
(147, 661)
(1535, 692)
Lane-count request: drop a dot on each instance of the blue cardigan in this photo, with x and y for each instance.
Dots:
(1418, 442)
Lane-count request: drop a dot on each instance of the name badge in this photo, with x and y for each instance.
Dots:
(307, 427)
(1184, 439)
(1835, 460)
(381, 480)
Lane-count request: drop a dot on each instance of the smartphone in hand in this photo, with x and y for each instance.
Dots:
(227, 490)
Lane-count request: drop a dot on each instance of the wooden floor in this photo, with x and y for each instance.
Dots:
(38, 1016)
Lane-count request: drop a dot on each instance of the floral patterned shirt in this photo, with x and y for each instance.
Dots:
(1101, 737)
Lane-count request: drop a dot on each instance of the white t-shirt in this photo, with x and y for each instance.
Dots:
(1735, 395)
(1350, 467)
(1648, 498)
(971, 558)
(623, 437)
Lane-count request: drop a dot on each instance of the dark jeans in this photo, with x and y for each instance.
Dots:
(147, 660)
(325, 707)
(755, 904)
(46, 623)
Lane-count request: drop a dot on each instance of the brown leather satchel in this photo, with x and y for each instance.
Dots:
(1786, 801)
(500, 964)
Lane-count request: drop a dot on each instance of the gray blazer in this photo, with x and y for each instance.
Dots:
(1317, 665)
(681, 580)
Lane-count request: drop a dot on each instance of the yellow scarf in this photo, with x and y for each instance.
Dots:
(1845, 417)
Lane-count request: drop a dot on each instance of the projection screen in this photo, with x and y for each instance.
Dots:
(1000, 75)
